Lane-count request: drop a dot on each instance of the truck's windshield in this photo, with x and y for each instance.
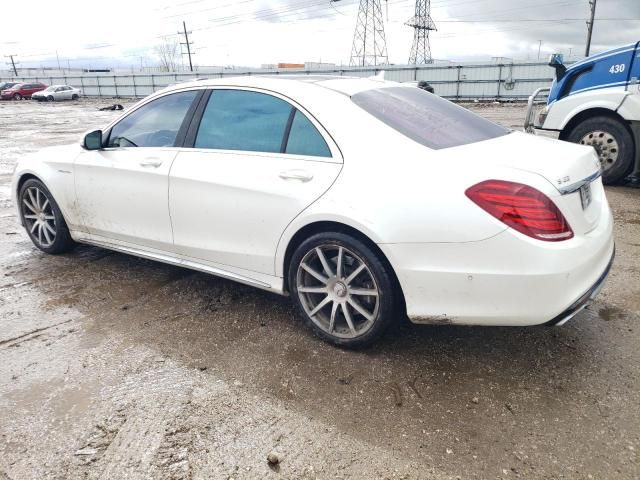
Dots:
(427, 118)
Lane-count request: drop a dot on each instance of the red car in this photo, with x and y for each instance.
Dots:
(21, 90)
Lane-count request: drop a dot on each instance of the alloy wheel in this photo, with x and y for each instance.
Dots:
(338, 291)
(38, 215)
(606, 147)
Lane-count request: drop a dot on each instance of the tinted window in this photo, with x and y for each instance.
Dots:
(243, 120)
(304, 138)
(427, 118)
(156, 124)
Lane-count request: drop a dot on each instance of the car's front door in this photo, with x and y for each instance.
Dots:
(121, 190)
(257, 162)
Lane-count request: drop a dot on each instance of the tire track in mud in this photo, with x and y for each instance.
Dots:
(29, 334)
(141, 435)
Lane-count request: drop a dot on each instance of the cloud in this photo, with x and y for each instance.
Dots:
(252, 32)
(555, 31)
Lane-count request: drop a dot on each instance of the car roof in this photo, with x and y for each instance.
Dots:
(285, 83)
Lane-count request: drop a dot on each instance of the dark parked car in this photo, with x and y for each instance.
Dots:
(6, 85)
(21, 90)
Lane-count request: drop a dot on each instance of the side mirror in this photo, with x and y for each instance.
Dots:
(556, 60)
(93, 140)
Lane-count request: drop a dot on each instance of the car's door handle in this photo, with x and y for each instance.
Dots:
(301, 175)
(151, 163)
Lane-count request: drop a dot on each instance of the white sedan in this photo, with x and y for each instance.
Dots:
(56, 93)
(362, 199)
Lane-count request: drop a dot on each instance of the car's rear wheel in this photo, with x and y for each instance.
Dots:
(343, 290)
(17, 96)
(50, 98)
(43, 219)
(613, 143)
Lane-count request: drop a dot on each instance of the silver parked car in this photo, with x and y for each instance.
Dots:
(56, 93)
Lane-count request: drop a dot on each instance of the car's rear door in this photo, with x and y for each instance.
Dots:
(26, 90)
(257, 162)
(121, 190)
(33, 88)
(61, 93)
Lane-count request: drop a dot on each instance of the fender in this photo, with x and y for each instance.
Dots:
(560, 113)
(53, 166)
(630, 107)
(304, 220)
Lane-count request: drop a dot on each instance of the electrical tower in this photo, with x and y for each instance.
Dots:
(422, 24)
(369, 43)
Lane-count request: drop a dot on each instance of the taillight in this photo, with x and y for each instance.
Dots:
(523, 208)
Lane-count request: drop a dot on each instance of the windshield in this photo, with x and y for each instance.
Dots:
(426, 118)
(50, 89)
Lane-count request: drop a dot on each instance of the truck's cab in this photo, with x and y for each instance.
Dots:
(596, 101)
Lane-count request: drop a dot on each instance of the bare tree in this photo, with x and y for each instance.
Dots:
(168, 53)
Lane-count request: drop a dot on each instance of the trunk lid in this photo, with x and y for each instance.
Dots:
(572, 169)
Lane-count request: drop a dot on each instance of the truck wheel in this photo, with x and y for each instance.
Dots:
(613, 143)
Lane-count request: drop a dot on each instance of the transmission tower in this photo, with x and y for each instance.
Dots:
(422, 24)
(369, 44)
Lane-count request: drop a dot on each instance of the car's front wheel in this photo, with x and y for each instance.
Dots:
(343, 289)
(43, 219)
(75, 96)
(50, 98)
(17, 96)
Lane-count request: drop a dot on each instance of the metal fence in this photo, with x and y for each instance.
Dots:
(496, 81)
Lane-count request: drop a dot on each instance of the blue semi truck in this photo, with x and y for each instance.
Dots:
(596, 101)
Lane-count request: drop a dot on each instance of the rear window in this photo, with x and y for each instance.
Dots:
(426, 118)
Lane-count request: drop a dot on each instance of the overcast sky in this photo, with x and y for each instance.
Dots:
(254, 32)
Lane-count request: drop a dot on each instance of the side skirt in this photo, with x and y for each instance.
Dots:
(81, 237)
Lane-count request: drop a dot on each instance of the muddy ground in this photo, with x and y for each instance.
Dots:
(114, 367)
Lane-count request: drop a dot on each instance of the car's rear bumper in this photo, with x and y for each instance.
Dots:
(504, 280)
(585, 299)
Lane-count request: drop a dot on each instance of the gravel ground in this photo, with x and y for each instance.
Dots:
(114, 367)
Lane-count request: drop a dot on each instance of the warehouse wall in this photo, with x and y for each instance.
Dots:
(460, 81)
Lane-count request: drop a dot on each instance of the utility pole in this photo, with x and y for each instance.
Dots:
(186, 42)
(592, 3)
(539, 47)
(13, 64)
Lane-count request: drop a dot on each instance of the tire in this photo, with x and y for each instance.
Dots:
(37, 208)
(74, 97)
(613, 142)
(50, 98)
(17, 96)
(350, 328)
